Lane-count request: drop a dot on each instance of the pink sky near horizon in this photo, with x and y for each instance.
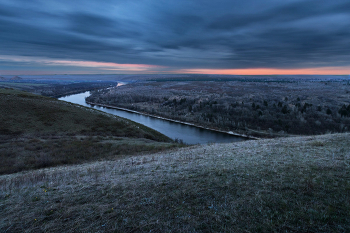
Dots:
(138, 70)
(52, 66)
(272, 71)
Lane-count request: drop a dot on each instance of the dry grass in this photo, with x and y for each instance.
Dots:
(297, 184)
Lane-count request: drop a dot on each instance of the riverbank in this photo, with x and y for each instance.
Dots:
(175, 121)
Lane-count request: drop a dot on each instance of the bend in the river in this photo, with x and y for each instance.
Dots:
(188, 134)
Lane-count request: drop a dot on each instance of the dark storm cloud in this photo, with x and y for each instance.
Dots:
(181, 34)
(6, 13)
(99, 26)
(33, 41)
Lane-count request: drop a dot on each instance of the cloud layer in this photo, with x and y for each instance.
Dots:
(191, 34)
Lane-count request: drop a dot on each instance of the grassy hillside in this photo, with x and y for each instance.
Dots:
(37, 131)
(299, 184)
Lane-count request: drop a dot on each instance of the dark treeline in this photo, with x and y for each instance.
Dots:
(59, 90)
(54, 88)
(260, 110)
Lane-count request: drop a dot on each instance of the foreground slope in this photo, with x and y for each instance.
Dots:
(299, 184)
(37, 131)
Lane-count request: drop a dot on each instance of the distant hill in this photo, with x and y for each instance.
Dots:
(2, 78)
(56, 132)
(16, 78)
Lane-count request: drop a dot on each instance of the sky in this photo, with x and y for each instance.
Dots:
(182, 36)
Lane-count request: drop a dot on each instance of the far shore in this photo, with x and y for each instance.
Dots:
(176, 121)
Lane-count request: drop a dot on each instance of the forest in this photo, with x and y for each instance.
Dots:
(264, 108)
(53, 87)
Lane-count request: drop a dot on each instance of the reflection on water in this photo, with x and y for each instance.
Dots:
(189, 134)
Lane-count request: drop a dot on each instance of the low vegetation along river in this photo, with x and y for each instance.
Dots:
(188, 134)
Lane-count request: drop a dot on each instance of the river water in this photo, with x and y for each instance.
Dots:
(189, 134)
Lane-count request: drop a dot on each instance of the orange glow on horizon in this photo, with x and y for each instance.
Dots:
(271, 71)
(42, 65)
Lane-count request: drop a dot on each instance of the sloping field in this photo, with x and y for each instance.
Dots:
(38, 132)
(25, 113)
(299, 184)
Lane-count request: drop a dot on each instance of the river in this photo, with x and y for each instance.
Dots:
(189, 134)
